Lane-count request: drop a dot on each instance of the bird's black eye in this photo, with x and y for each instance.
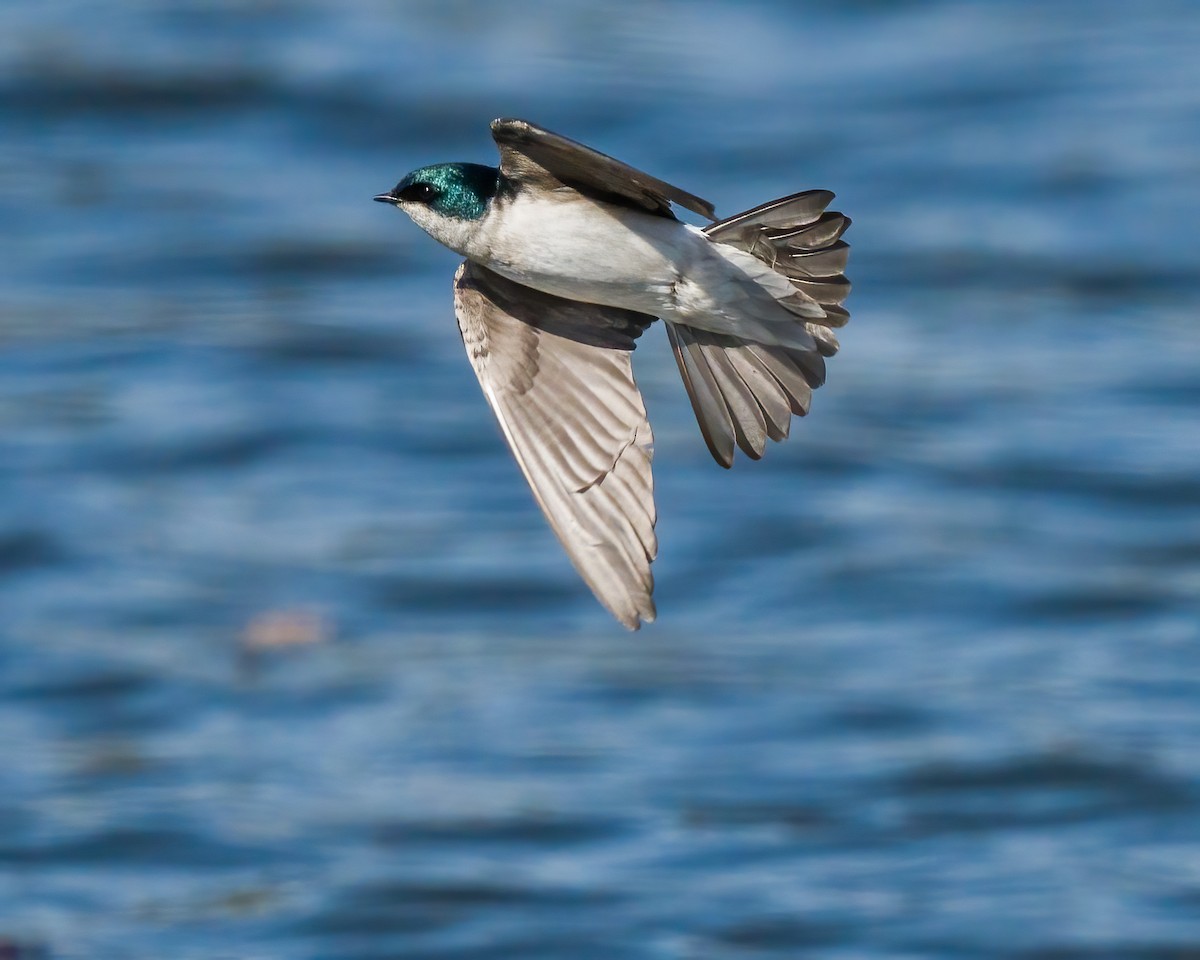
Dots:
(420, 192)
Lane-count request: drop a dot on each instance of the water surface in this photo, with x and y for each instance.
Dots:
(925, 682)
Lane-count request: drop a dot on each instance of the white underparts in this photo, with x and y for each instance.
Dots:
(569, 246)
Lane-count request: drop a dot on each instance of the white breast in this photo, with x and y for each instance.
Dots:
(567, 245)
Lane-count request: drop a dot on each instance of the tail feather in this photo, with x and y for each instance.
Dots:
(812, 236)
(785, 213)
(765, 389)
(708, 403)
(828, 261)
(825, 339)
(795, 381)
(826, 291)
(743, 391)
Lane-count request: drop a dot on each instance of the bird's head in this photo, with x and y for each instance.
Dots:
(446, 200)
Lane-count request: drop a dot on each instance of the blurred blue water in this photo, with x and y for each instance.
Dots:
(926, 681)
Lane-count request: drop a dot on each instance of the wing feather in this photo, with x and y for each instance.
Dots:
(575, 421)
(534, 154)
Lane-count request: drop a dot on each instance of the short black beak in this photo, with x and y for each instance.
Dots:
(385, 198)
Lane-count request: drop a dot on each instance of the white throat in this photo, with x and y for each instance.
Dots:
(448, 231)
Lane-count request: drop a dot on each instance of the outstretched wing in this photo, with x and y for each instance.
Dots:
(536, 155)
(557, 374)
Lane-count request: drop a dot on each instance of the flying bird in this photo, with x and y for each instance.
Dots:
(570, 256)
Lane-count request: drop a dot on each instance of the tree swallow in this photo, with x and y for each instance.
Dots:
(570, 255)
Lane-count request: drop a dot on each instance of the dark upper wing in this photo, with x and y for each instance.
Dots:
(534, 154)
(557, 374)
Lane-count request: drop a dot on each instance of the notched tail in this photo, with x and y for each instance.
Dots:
(744, 393)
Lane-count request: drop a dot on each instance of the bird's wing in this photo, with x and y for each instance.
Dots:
(558, 376)
(536, 155)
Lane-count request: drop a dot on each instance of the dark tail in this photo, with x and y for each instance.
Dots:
(743, 392)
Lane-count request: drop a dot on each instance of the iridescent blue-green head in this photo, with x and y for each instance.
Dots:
(446, 199)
